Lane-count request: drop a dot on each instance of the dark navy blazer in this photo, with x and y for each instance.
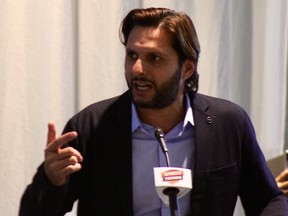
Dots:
(228, 163)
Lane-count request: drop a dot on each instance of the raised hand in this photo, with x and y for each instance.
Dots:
(60, 162)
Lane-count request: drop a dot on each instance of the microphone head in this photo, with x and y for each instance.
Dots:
(159, 133)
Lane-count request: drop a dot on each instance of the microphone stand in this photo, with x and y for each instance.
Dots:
(173, 204)
(171, 192)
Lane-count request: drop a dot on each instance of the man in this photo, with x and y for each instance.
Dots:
(106, 155)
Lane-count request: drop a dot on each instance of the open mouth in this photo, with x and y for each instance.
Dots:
(142, 86)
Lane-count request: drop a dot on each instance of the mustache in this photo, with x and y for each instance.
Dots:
(140, 79)
(143, 79)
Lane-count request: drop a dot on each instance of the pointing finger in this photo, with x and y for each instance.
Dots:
(51, 133)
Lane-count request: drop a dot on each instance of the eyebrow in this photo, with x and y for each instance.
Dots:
(129, 50)
(156, 52)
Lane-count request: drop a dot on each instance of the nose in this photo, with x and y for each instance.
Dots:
(138, 67)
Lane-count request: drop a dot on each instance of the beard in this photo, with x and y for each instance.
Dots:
(164, 95)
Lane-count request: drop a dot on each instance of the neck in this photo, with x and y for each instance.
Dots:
(166, 118)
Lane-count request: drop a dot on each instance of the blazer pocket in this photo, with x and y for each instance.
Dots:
(224, 170)
(221, 190)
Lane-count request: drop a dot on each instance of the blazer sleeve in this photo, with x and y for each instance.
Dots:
(258, 190)
(43, 198)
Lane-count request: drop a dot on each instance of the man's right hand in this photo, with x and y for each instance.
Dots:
(60, 162)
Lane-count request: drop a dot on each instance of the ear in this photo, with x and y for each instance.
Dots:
(188, 69)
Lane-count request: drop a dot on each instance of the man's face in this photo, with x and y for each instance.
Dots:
(152, 68)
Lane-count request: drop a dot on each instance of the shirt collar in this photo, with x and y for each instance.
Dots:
(136, 123)
(189, 113)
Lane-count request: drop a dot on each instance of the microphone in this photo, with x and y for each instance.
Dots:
(170, 182)
(160, 137)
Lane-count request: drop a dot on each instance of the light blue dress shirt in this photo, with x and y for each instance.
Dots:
(147, 154)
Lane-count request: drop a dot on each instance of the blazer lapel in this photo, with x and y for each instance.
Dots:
(204, 136)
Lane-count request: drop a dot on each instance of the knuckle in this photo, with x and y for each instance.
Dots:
(69, 150)
(73, 159)
(70, 169)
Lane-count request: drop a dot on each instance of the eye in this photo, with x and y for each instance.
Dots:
(155, 57)
(131, 55)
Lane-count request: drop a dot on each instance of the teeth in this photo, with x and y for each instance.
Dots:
(142, 86)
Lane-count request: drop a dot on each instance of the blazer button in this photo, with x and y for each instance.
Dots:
(209, 119)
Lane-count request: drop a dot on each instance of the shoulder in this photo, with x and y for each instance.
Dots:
(205, 103)
(99, 108)
(106, 110)
(219, 108)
